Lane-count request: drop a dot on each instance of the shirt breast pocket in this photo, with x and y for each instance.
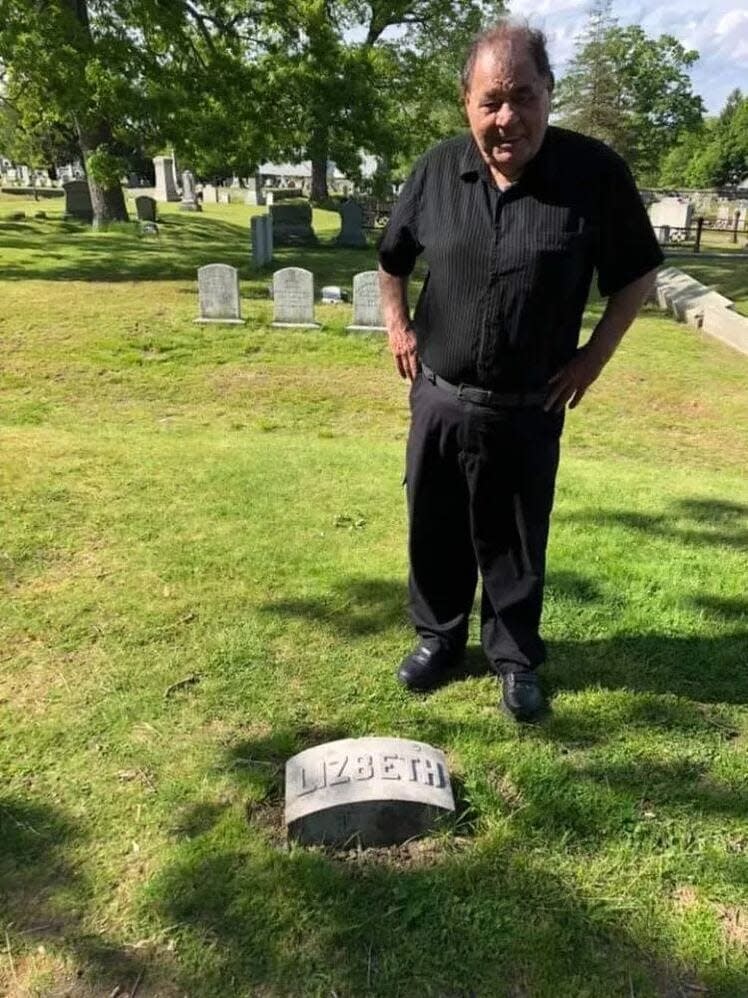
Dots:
(562, 260)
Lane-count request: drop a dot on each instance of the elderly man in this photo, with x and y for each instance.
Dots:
(512, 219)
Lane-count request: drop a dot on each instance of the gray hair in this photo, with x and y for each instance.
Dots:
(502, 31)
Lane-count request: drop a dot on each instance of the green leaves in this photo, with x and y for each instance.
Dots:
(630, 91)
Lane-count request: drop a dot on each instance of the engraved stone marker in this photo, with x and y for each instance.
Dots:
(262, 240)
(352, 225)
(145, 208)
(210, 194)
(367, 791)
(367, 312)
(166, 185)
(78, 200)
(189, 200)
(292, 224)
(676, 213)
(218, 288)
(255, 192)
(293, 298)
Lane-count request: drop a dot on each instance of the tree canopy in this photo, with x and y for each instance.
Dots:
(228, 83)
(629, 90)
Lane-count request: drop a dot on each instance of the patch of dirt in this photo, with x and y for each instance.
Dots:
(416, 853)
(268, 816)
(508, 790)
(734, 924)
(685, 898)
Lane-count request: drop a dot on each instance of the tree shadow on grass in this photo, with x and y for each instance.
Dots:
(713, 522)
(43, 897)
(183, 245)
(453, 918)
(352, 607)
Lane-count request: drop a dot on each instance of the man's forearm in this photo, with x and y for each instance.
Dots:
(620, 312)
(394, 297)
(569, 384)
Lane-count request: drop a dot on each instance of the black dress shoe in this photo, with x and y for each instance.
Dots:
(522, 697)
(427, 667)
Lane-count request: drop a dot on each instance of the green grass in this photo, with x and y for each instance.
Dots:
(224, 503)
(729, 277)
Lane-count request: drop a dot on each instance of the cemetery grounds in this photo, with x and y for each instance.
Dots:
(202, 560)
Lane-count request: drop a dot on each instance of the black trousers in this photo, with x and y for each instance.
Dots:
(480, 485)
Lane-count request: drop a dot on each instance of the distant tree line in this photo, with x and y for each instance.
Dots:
(228, 84)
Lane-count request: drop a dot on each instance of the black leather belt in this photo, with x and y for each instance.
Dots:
(482, 396)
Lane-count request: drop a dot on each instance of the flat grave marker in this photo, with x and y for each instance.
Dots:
(366, 791)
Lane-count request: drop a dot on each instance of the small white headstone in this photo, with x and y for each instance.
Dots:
(218, 289)
(367, 312)
(293, 298)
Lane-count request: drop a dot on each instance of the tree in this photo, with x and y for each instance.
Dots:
(714, 155)
(378, 93)
(112, 70)
(588, 97)
(631, 91)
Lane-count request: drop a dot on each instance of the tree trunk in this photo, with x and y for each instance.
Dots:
(319, 147)
(107, 198)
(319, 179)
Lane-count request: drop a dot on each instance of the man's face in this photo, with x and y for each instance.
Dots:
(507, 106)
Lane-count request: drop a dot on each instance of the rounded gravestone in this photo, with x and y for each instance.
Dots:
(366, 791)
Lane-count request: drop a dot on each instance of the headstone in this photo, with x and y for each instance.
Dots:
(676, 213)
(255, 193)
(78, 200)
(332, 295)
(366, 792)
(352, 225)
(210, 194)
(292, 224)
(166, 184)
(218, 289)
(367, 309)
(293, 298)
(145, 208)
(262, 240)
(25, 176)
(148, 229)
(224, 197)
(189, 201)
(269, 199)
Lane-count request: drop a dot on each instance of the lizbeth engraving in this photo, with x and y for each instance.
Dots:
(390, 769)
(338, 770)
(371, 791)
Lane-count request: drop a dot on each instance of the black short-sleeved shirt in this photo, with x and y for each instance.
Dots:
(509, 272)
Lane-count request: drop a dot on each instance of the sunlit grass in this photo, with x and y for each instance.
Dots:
(223, 506)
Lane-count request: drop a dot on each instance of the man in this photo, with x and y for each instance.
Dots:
(512, 219)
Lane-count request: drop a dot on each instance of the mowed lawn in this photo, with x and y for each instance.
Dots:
(202, 561)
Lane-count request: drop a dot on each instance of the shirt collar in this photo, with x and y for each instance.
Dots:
(537, 171)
